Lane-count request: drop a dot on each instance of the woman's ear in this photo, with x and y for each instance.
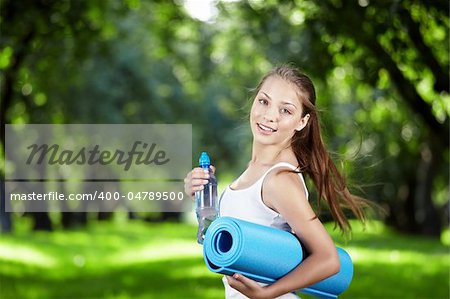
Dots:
(303, 122)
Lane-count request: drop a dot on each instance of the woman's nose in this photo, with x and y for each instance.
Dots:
(271, 114)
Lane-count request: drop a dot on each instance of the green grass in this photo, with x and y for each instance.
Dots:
(144, 260)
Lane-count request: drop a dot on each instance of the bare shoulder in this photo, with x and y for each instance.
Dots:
(284, 192)
(283, 189)
(282, 180)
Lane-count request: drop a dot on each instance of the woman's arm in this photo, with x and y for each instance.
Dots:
(284, 193)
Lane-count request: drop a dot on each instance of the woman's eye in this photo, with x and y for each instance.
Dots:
(285, 111)
(263, 101)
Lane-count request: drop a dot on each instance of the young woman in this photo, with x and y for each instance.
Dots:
(272, 191)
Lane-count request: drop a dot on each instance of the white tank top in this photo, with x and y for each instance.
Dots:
(247, 204)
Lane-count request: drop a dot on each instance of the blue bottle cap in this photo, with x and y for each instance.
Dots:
(204, 161)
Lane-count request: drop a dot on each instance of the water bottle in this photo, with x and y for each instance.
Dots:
(206, 202)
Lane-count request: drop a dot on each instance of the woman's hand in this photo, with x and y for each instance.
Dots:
(196, 179)
(248, 287)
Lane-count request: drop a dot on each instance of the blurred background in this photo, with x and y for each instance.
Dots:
(381, 70)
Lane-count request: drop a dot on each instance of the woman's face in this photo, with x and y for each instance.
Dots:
(276, 113)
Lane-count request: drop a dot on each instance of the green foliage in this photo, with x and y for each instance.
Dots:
(380, 69)
(142, 260)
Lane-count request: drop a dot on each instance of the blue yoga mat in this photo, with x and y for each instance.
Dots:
(265, 254)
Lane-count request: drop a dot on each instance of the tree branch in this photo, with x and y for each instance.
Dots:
(406, 89)
(441, 77)
(409, 93)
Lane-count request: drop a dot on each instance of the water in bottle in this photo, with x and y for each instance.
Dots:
(206, 201)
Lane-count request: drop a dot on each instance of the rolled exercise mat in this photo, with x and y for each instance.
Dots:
(265, 254)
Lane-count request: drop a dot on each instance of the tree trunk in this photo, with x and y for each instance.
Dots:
(41, 221)
(5, 217)
(414, 210)
(426, 214)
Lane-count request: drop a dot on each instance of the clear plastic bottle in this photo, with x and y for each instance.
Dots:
(206, 201)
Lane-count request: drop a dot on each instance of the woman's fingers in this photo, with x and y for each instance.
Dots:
(195, 180)
(199, 182)
(235, 284)
(202, 172)
(247, 286)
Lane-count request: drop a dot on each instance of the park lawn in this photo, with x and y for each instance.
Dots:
(136, 259)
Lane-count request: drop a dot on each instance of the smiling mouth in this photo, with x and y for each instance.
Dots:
(265, 128)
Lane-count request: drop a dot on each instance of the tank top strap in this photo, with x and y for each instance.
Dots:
(279, 165)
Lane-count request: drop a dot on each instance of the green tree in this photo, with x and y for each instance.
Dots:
(382, 67)
(379, 68)
(41, 44)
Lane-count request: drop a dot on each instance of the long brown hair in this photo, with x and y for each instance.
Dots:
(312, 156)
